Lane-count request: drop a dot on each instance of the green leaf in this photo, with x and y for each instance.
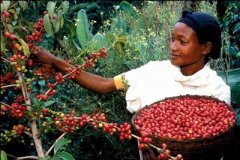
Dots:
(98, 41)
(60, 143)
(60, 17)
(14, 23)
(65, 6)
(5, 5)
(36, 102)
(236, 28)
(51, 7)
(10, 28)
(119, 46)
(238, 54)
(40, 158)
(119, 24)
(76, 45)
(58, 22)
(3, 155)
(65, 156)
(83, 33)
(48, 25)
(23, 4)
(127, 7)
(122, 39)
(48, 120)
(42, 82)
(70, 27)
(3, 49)
(48, 103)
(55, 158)
(24, 46)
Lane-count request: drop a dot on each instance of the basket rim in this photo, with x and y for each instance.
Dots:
(192, 139)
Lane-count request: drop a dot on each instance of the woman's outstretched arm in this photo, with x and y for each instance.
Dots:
(85, 79)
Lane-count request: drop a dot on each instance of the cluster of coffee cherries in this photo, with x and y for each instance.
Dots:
(144, 140)
(10, 37)
(99, 120)
(4, 109)
(59, 78)
(17, 110)
(74, 72)
(20, 99)
(5, 15)
(45, 97)
(13, 134)
(165, 154)
(102, 53)
(7, 79)
(65, 123)
(125, 131)
(7, 136)
(14, 46)
(36, 35)
(17, 60)
(47, 72)
(44, 72)
(71, 122)
(19, 129)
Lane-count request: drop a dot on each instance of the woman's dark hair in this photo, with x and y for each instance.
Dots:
(207, 29)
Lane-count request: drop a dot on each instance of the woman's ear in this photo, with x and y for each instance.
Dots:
(207, 48)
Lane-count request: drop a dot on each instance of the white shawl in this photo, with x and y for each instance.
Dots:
(160, 79)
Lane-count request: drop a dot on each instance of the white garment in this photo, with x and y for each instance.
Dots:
(160, 79)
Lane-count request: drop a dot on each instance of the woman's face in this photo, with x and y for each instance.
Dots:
(186, 52)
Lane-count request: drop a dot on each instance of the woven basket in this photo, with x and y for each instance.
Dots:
(211, 148)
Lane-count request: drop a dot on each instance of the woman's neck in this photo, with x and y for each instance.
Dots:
(190, 69)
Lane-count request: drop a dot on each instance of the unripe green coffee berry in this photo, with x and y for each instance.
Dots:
(100, 125)
(13, 63)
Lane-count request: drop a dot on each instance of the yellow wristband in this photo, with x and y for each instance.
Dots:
(119, 81)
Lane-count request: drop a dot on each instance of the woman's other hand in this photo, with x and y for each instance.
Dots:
(43, 57)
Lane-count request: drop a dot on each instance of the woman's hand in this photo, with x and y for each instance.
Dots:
(44, 57)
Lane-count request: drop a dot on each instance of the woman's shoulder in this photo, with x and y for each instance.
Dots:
(162, 63)
(152, 67)
(221, 89)
(217, 80)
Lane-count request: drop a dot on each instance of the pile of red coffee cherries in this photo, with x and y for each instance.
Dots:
(186, 117)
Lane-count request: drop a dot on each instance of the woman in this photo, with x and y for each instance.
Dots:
(196, 38)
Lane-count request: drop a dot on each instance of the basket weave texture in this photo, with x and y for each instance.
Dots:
(210, 148)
